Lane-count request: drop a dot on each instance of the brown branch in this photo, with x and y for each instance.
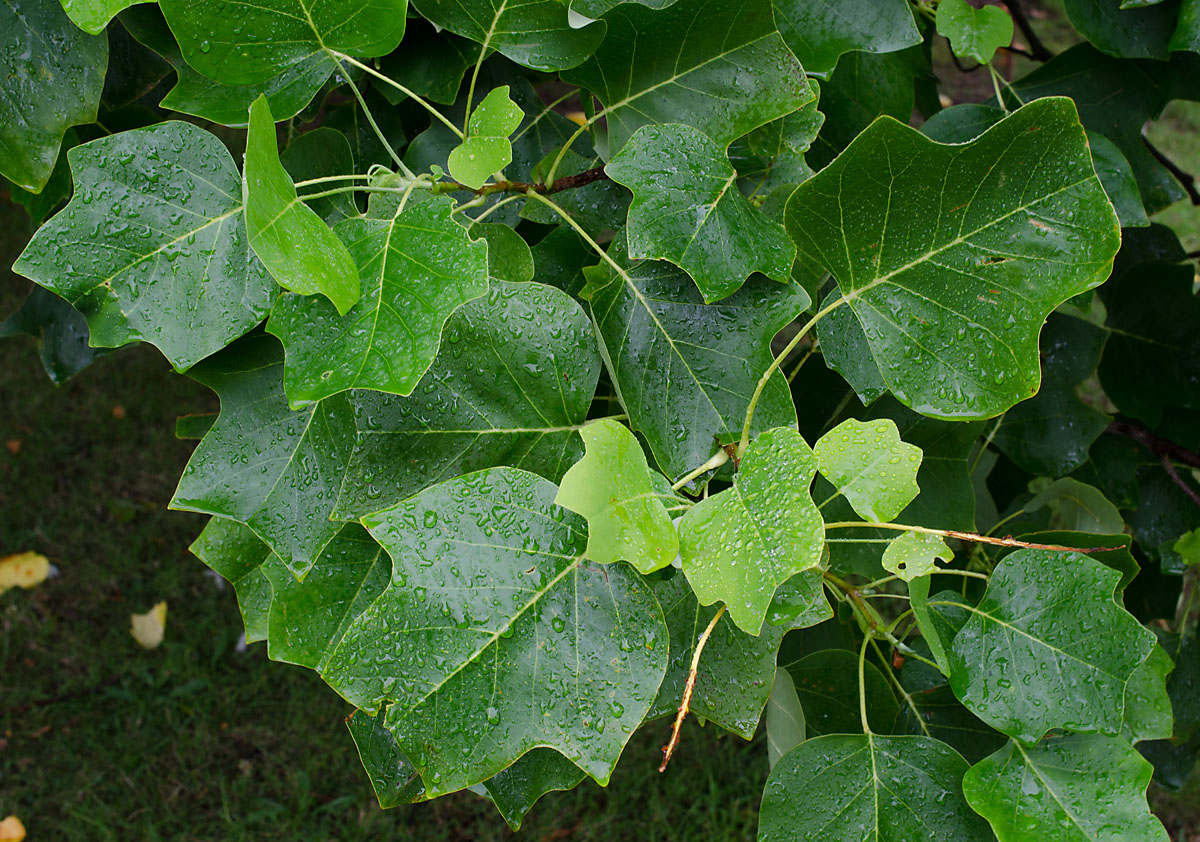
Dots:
(669, 748)
(566, 182)
(1184, 178)
(974, 537)
(1037, 50)
(1169, 467)
(1160, 446)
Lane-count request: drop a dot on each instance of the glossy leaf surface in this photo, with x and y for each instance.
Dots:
(870, 466)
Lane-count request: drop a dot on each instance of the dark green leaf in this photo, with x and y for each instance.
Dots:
(819, 31)
(515, 790)
(1125, 33)
(235, 553)
(317, 154)
(508, 255)
(393, 778)
(827, 684)
(61, 334)
(1147, 704)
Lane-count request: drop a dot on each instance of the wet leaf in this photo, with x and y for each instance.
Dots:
(238, 556)
(974, 32)
(915, 554)
(785, 718)
(870, 466)
(820, 31)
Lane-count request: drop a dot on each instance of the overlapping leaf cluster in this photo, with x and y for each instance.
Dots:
(572, 356)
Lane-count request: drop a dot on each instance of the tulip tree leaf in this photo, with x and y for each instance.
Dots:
(486, 148)
(870, 466)
(511, 385)
(261, 464)
(1076, 788)
(740, 545)
(534, 33)
(914, 554)
(417, 267)
(393, 778)
(820, 31)
(684, 370)
(1148, 713)
(784, 719)
(143, 265)
(974, 33)
(490, 574)
(848, 788)
(614, 488)
(515, 790)
(252, 43)
(1015, 223)
(92, 16)
(60, 331)
(53, 76)
(1125, 33)
(827, 684)
(235, 553)
(295, 245)
(1042, 609)
(686, 209)
(716, 65)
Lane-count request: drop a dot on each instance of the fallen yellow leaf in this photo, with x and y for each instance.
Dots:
(147, 629)
(11, 830)
(577, 117)
(23, 570)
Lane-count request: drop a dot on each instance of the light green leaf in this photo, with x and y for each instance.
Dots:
(918, 594)
(1077, 507)
(915, 554)
(534, 33)
(256, 42)
(261, 464)
(143, 266)
(819, 31)
(418, 267)
(1014, 223)
(508, 255)
(295, 245)
(53, 76)
(738, 546)
(496, 116)
(974, 33)
(687, 210)
(92, 16)
(489, 574)
(236, 554)
(486, 148)
(511, 386)
(1187, 32)
(683, 370)
(1188, 547)
(870, 466)
(1148, 713)
(622, 499)
(785, 718)
(1078, 788)
(1041, 610)
(842, 788)
(716, 65)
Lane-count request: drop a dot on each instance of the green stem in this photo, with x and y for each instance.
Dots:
(370, 117)
(542, 114)
(549, 179)
(357, 188)
(803, 359)
(329, 178)
(498, 205)
(774, 366)
(903, 693)
(388, 80)
(718, 459)
(862, 682)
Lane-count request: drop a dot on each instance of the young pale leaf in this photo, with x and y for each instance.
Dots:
(295, 245)
(918, 594)
(238, 556)
(511, 386)
(535, 33)
(92, 16)
(678, 364)
(974, 33)
(256, 42)
(490, 574)
(53, 76)
(1014, 223)
(486, 148)
(785, 718)
(1043, 610)
(417, 266)
(740, 545)
(819, 31)
(687, 210)
(275, 470)
(870, 466)
(142, 266)
(716, 65)
(1078, 788)
(622, 499)
(842, 788)
(915, 554)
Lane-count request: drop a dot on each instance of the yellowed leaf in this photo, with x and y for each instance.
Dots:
(147, 629)
(11, 830)
(23, 570)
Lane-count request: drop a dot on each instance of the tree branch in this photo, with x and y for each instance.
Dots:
(1037, 50)
(1160, 446)
(686, 703)
(566, 182)
(1186, 179)
(1169, 467)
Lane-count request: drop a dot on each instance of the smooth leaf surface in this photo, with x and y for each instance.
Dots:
(417, 267)
(842, 788)
(1016, 223)
(623, 501)
(687, 210)
(784, 718)
(820, 31)
(974, 32)
(511, 386)
(1042, 609)
(295, 244)
(738, 546)
(870, 466)
(489, 574)
(1125, 33)
(235, 553)
(684, 370)
(716, 65)
(827, 684)
(60, 330)
(1081, 787)
(159, 252)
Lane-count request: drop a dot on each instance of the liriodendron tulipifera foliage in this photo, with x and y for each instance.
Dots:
(586, 366)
